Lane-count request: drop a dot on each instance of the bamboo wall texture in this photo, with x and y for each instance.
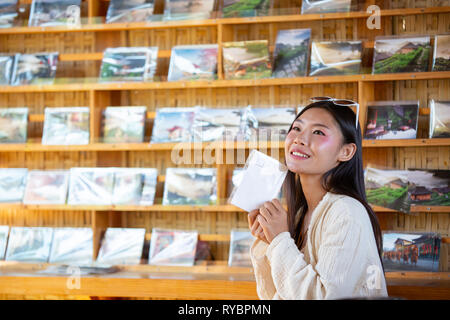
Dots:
(165, 39)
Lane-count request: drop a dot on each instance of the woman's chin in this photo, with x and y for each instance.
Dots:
(295, 168)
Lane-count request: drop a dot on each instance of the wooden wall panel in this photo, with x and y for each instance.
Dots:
(238, 96)
(165, 39)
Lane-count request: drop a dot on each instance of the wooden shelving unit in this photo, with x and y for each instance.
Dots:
(81, 51)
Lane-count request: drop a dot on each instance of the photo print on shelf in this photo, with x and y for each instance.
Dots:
(13, 125)
(129, 11)
(401, 54)
(392, 120)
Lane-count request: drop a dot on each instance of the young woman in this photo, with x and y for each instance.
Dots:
(328, 244)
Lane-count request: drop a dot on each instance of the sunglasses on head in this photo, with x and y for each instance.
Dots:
(340, 102)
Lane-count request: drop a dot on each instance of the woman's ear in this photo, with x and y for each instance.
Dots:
(347, 152)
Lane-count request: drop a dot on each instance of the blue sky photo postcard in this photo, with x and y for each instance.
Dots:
(193, 62)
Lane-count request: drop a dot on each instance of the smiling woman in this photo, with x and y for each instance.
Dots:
(328, 244)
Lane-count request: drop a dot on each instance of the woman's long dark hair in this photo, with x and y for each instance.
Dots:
(347, 178)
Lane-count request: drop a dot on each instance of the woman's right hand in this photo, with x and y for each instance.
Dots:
(255, 227)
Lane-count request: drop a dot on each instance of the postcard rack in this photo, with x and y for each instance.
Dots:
(80, 55)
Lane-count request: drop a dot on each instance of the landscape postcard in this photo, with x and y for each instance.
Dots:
(291, 53)
(408, 54)
(329, 58)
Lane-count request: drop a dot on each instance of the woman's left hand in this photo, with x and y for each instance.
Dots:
(273, 219)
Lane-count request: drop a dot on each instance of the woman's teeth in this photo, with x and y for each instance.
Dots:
(300, 155)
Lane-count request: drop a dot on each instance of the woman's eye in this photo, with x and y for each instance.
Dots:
(296, 128)
(318, 132)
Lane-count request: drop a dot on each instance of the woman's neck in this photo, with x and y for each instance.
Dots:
(313, 190)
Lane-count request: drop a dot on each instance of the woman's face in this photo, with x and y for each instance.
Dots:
(314, 144)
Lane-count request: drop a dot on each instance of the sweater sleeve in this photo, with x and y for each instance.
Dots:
(264, 284)
(340, 261)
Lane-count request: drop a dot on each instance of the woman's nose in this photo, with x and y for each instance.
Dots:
(301, 138)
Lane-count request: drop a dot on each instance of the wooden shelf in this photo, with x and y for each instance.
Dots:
(294, 16)
(437, 142)
(35, 145)
(182, 208)
(92, 84)
(199, 282)
(145, 146)
(125, 208)
(429, 75)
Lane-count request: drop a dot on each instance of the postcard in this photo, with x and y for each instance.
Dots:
(128, 185)
(12, 184)
(387, 188)
(329, 58)
(439, 119)
(325, 6)
(39, 68)
(274, 122)
(245, 8)
(72, 246)
(193, 62)
(29, 244)
(261, 181)
(441, 58)
(6, 68)
(124, 124)
(410, 251)
(66, 126)
(173, 125)
(49, 13)
(396, 54)
(173, 247)
(429, 187)
(91, 186)
(201, 182)
(218, 124)
(129, 64)
(122, 246)
(13, 125)
(246, 60)
(46, 187)
(8, 12)
(188, 9)
(392, 120)
(291, 53)
(129, 11)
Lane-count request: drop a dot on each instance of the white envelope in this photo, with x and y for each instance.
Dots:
(262, 179)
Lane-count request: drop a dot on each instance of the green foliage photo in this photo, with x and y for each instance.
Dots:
(414, 61)
(385, 195)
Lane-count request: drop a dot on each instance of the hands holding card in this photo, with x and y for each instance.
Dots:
(261, 182)
(268, 221)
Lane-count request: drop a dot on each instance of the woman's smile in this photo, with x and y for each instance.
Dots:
(298, 154)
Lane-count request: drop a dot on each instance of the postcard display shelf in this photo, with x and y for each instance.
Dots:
(81, 51)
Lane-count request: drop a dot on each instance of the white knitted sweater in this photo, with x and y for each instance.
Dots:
(339, 260)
